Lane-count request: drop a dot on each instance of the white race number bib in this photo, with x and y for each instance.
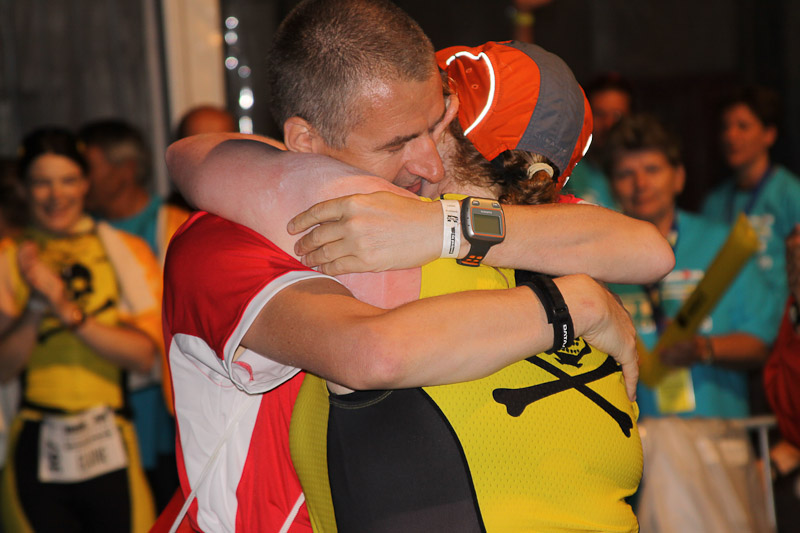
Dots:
(75, 448)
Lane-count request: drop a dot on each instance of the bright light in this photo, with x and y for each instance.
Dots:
(231, 22)
(246, 98)
(231, 37)
(231, 63)
(588, 144)
(245, 124)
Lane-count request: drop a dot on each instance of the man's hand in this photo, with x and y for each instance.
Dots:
(793, 261)
(369, 233)
(599, 317)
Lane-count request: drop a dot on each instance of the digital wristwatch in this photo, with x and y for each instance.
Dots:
(483, 225)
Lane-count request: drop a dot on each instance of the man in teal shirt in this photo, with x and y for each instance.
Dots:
(646, 176)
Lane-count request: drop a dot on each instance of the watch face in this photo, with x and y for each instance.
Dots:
(484, 220)
(486, 224)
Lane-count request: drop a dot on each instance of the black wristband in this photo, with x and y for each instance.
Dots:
(556, 309)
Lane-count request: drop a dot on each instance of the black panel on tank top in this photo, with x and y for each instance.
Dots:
(395, 465)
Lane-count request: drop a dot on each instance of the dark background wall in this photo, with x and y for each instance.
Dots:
(63, 62)
(68, 61)
(683, 57)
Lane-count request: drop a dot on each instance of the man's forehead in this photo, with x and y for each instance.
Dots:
(645, 156)
(407, 101)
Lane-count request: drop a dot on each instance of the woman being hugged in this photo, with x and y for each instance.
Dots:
(79, 306)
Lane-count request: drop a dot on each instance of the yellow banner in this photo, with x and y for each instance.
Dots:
(741, 244)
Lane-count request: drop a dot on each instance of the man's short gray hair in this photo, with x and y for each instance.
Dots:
(326, 51)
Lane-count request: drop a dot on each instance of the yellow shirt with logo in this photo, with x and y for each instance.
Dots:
(550, 443)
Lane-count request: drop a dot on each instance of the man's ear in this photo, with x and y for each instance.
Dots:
(300, 136)
(450, 113)
(771, 135)
(452, 108)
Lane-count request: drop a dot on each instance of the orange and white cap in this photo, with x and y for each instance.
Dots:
(518, 96)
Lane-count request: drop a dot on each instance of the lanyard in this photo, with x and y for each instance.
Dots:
(754, 194)
(653, 290)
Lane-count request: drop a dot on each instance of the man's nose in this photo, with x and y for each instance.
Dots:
(640, 180)
(426, 162)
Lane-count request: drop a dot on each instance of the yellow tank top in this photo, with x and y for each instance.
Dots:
(550, 443)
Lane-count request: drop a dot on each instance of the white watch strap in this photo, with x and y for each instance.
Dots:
(451, 230)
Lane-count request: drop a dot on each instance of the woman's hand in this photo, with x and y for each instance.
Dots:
(42, 280)
(46, 286)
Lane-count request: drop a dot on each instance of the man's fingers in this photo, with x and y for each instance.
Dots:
(322, 235)
(327, 211)
(336, 258)
(344, 265)
(325, 254)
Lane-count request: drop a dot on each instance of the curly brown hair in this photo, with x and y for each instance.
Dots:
(510, 174)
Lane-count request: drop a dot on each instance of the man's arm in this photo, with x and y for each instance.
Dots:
(371, 233)
(243, 179)
(375, 232)
(255, 295)
(445, 339)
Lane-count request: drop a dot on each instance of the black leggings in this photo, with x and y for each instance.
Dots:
(97, 505)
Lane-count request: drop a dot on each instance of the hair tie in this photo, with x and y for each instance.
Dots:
(536, 167)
